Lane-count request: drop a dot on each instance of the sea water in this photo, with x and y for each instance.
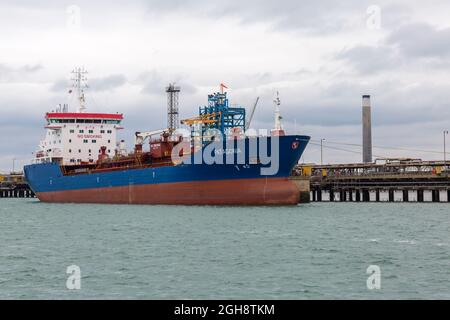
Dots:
(309, 251)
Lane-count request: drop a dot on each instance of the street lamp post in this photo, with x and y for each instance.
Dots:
(321, 151)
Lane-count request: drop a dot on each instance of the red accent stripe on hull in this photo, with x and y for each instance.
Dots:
(263, 191)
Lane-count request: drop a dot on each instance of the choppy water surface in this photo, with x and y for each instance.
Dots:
(159, 252)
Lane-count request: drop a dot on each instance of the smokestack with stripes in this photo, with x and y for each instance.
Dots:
(366, 129)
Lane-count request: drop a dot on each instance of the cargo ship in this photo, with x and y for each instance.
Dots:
(210, 159)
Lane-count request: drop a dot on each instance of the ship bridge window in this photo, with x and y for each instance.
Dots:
(80, 120)
(109, 131)
(85, 141)
(91, 131)
(94, 141)
(97, 121)
(102, 131)
(72, 131)
(81, 131)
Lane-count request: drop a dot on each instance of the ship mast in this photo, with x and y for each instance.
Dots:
(278, 129)
(79, 84)
(277, 103)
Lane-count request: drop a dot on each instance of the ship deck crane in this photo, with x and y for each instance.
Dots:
(247, 125)
(140, 137)
(207, 118)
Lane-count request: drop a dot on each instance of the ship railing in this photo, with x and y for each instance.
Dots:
(67, 172)
(41, 160)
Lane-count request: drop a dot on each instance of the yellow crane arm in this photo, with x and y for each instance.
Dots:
(206, 118)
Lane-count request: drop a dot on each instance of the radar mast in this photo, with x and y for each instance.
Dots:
(79, 84)
(278, 129)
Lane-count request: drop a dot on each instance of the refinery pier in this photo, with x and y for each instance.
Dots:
(387, 180)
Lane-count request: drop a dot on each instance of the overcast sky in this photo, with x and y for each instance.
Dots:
(320, 55)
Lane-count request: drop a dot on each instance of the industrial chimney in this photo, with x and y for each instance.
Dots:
(366, 129)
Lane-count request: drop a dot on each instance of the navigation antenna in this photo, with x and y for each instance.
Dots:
(79, 84)
(277, 112)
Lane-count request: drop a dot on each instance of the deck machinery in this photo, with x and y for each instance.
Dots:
(217, 115)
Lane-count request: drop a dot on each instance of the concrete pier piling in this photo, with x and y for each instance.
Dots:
(16, 193)
(379, 195)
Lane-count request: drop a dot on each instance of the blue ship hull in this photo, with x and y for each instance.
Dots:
(189, 184)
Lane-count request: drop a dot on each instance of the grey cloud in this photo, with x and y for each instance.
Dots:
(31, 68)
(107, 83)
(300, 72)
(24, 68)
(95, 84)
(324, 16)
(421, 40)
(186, 87)
(367, 59)
(415, 43)
(154, 82)
(9, 73)
(60, 85)
(327, 101)
(309, 16)
(339, 103)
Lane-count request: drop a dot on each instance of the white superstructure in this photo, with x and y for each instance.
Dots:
(77, 137)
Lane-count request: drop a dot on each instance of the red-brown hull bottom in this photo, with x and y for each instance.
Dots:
(262, 191)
